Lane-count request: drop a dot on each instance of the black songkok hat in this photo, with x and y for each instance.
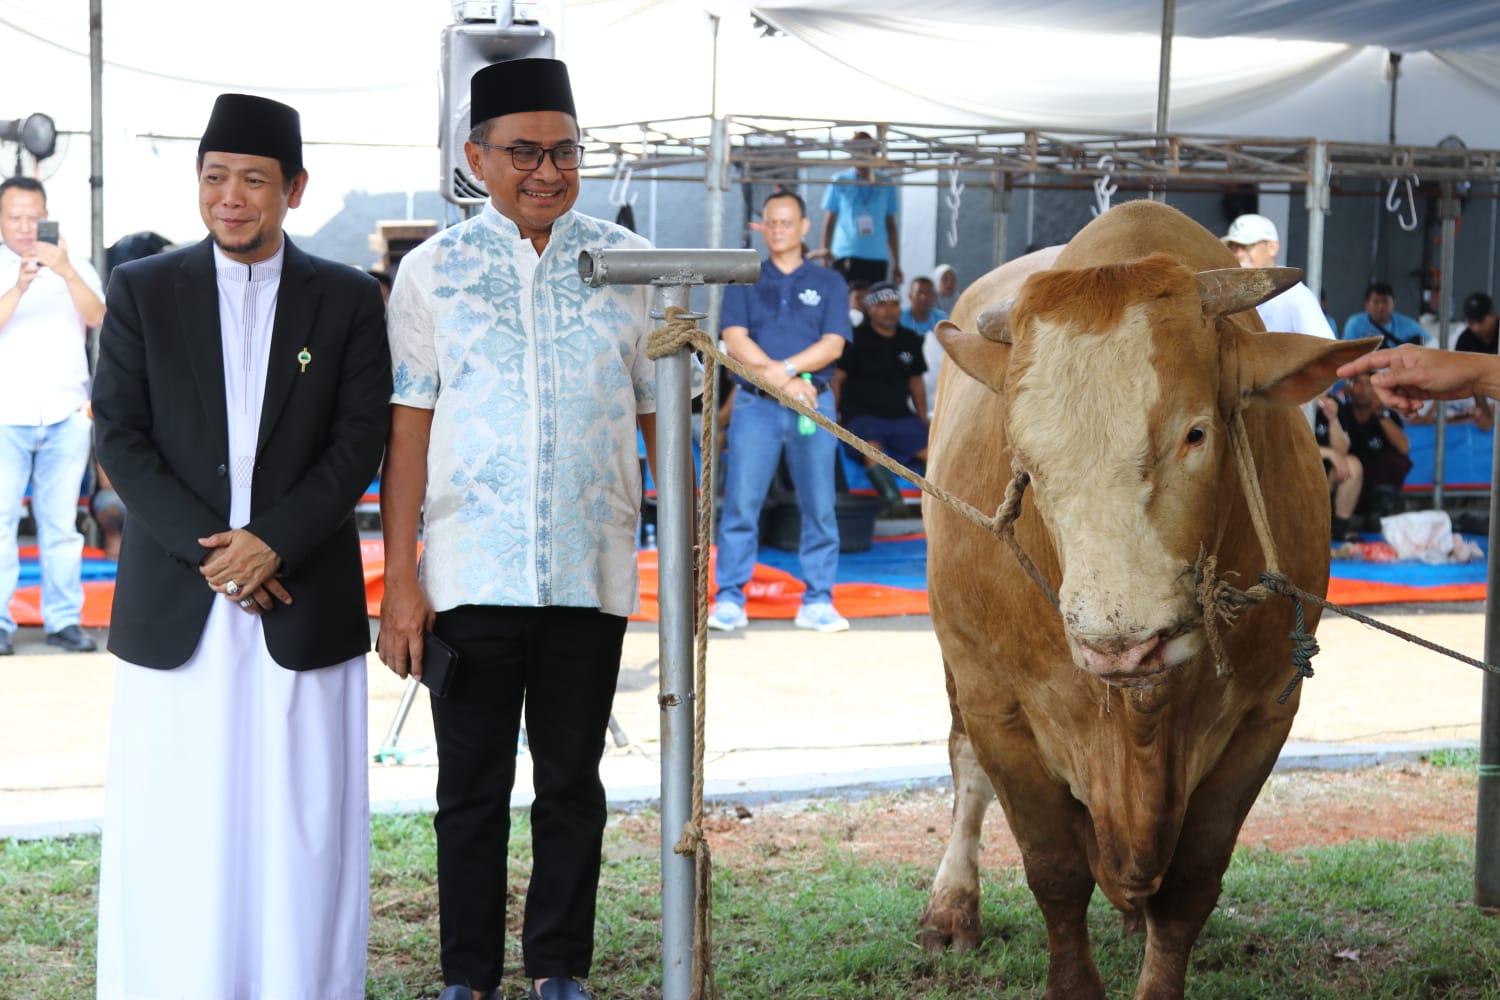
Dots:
(517, 85)
(257, 126)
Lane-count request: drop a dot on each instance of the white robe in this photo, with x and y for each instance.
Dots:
(235, 858)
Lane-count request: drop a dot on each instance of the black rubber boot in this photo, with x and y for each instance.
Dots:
(890, 493)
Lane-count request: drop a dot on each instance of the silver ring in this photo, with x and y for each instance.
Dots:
(246, 602)
(231, 588)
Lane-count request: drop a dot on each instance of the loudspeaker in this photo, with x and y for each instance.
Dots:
(468, 48)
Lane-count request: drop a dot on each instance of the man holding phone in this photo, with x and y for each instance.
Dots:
(49, 302)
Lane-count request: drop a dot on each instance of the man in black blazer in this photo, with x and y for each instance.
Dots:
(241, 406)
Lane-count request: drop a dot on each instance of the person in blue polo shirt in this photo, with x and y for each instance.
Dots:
(1380, 319)
(793, 322)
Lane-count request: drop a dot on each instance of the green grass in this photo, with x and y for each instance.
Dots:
(1464, 758)
(1369, 919)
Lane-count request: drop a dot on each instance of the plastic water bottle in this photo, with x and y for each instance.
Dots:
(805, 425)
(649, 541)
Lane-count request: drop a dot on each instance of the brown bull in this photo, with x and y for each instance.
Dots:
(1123, 754)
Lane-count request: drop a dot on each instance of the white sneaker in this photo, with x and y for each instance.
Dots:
(820, 617)
(727, 616)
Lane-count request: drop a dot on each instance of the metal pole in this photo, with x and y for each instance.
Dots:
(1000, 206)
(1164, 86)
(96, 132)
(716, 179)
(673, 272)
(1449, 212)
(1317, 208)
(674, 526)
(1487, 823)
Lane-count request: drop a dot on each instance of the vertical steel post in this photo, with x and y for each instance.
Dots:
(1317, 209)
(674, 533)
(672, 273)
(1449, 212)
(1487, 822)
(96, 134)
(1164, 91)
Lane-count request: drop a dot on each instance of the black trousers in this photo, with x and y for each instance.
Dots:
(562, 665)
(862, 269)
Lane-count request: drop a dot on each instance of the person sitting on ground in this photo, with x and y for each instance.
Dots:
(1346, 476)
(879, 392)
(947, 286)
(1481, 335)
(857, 289)
(1380, 319)
(108, 511)
(1377, 439)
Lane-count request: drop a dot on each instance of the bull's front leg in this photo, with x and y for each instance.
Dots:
(952, 914)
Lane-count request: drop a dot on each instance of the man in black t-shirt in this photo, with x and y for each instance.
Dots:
(879, 392)
(1481, 336)
(1378, 440)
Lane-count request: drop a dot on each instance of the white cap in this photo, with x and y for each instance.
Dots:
(1249, 230)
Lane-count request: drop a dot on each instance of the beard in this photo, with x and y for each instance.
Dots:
(248, 245)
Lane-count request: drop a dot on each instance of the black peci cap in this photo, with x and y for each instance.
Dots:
(519, 85)
(257, 126)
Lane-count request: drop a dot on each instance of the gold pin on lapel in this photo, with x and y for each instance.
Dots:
(304, 356)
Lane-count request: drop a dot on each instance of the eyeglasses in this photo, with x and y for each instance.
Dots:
(527, 156)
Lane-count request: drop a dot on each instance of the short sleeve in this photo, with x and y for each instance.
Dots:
(734, 309)
(413, 337)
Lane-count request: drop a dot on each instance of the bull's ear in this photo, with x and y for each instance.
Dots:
(984, 360)
(1291, 367)
(1228, 290)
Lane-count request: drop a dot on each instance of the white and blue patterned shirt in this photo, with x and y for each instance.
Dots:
(535, 381)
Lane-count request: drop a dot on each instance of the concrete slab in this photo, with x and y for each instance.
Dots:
(790, 714)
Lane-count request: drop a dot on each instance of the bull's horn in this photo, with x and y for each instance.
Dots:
(1234, 289)
(994, 322)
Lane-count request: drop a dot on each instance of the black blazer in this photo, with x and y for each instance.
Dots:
(162, 436)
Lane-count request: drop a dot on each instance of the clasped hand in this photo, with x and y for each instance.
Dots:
(239, 556)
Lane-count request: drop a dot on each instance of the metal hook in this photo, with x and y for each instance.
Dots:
(1393, 203)
(954, 199)
(620, 184)
(1104, 187)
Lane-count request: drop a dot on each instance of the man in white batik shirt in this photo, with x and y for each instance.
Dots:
(518, 394)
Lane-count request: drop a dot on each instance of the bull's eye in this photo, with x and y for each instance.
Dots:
(1196, 436)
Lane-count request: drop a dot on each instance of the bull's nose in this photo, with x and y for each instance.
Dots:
(1122, 657)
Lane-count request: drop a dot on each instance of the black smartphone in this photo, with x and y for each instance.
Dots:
(46, 231)
(439, 663)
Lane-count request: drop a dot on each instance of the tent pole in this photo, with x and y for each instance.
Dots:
(1487, 822)
(1000, 205)
(96, 132)
(1164, 86)
(1449, 211)
(1317, 209)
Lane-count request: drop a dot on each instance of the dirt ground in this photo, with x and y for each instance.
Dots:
(1296, 809)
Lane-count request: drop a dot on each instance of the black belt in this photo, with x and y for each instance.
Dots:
(763, 394)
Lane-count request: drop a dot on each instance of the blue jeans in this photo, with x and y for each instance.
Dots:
(759, 429)
(52, 459)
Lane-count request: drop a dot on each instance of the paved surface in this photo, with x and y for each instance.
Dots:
(789, 713)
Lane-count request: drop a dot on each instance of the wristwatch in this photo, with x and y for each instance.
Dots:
(791, 369)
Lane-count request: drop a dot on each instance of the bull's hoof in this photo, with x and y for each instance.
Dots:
(937, 942)
(952, 924)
